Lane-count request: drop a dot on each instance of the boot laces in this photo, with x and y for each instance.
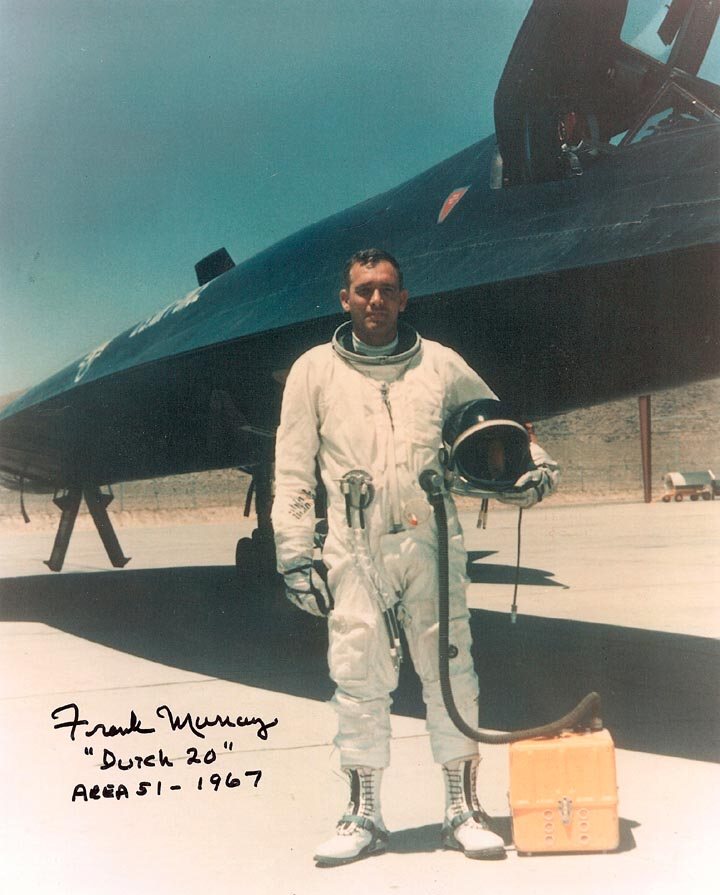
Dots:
(361, 804)
(462, 794)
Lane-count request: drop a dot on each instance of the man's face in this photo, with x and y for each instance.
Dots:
(374, 301)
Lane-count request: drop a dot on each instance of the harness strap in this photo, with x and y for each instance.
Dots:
(366, 824)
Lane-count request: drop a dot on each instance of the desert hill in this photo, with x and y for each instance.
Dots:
(598, 449)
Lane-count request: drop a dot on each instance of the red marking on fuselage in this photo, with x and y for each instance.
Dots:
(451, 201)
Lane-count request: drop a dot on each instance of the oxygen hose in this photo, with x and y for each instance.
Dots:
(431, 483)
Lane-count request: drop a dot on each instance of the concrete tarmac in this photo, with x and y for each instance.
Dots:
(113, 679)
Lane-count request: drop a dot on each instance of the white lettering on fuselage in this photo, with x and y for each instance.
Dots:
(174, 308)
(87, 361)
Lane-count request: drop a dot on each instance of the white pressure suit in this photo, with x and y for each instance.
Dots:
(384, 415)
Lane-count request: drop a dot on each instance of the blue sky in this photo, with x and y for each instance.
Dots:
(138, 136)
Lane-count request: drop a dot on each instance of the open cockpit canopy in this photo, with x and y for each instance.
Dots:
(584, 78)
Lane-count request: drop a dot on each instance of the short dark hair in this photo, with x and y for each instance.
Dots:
(369, 258)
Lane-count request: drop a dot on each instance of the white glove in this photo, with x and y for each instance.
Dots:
(306, 589)
(532, 487)
(537, 483)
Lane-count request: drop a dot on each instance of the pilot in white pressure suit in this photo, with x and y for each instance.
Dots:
(374, 400)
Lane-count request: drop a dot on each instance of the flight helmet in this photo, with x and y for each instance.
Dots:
(484, 448)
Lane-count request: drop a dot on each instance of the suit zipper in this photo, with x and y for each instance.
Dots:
(395, 512)
(385, 392)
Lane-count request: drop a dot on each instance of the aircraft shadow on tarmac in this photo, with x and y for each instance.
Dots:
(659, 690)
(495, 573)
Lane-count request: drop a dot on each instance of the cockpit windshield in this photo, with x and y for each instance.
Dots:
(643, 21)
(673, 110)
(679, 34)
(710, 68)
(657, 28)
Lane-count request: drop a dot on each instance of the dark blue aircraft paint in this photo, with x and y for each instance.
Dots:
(617, 211)
(560, 290)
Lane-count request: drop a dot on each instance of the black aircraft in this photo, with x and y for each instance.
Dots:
(571, 258)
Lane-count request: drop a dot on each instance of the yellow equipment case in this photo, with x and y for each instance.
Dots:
(563, 793)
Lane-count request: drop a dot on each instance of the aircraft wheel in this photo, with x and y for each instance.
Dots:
(255, 555)
(244, 557)
(265, 559)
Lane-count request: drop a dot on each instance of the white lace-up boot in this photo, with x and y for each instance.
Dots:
(465, 826)
(360, 831)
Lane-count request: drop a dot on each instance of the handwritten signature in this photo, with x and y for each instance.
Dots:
(194, 724)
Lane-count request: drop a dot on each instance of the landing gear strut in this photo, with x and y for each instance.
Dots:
(97, 503)
(255, 556)
(255, 560)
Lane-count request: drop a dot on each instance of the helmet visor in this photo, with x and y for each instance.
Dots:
(491, 455)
